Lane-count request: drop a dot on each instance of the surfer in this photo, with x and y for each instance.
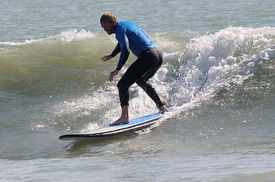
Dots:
(149, 59)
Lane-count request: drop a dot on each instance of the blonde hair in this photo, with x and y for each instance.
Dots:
(108, 17)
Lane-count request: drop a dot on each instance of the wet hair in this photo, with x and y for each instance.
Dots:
(108, 18)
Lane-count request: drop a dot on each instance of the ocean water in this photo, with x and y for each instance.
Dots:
(218, 74)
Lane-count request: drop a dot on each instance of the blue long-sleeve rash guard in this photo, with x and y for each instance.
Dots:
(130, 36)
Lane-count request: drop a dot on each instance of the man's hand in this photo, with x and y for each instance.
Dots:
(112, 75)
(106, 58)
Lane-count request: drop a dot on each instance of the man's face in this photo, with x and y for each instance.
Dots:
(108, 27)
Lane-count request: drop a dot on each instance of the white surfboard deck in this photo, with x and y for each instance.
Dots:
(134, 125)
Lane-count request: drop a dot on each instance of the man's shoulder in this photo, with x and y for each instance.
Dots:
(127, 25)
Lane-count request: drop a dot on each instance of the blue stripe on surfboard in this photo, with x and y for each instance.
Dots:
(140, 119)
(143, 118)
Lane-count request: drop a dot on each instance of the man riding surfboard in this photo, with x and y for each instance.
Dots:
(149, 59)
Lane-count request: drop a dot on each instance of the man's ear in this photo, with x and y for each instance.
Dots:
(114, 23)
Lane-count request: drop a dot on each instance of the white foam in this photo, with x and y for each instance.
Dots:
(66, 36)
(90, 127)
(30, 41)
(74, 35)
(217, 60)
(83, 105)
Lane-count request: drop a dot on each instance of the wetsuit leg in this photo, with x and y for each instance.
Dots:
(147, 87)
(140, 71)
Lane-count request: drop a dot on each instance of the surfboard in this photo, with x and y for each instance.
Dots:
(135, 124)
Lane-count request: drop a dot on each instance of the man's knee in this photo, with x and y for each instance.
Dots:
(121, 86)
(141, 83)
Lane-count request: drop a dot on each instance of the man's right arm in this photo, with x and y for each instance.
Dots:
(116, 50)
(113, 54)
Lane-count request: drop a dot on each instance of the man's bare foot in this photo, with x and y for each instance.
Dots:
(120, 121)
(124, 118)
(163, 109)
